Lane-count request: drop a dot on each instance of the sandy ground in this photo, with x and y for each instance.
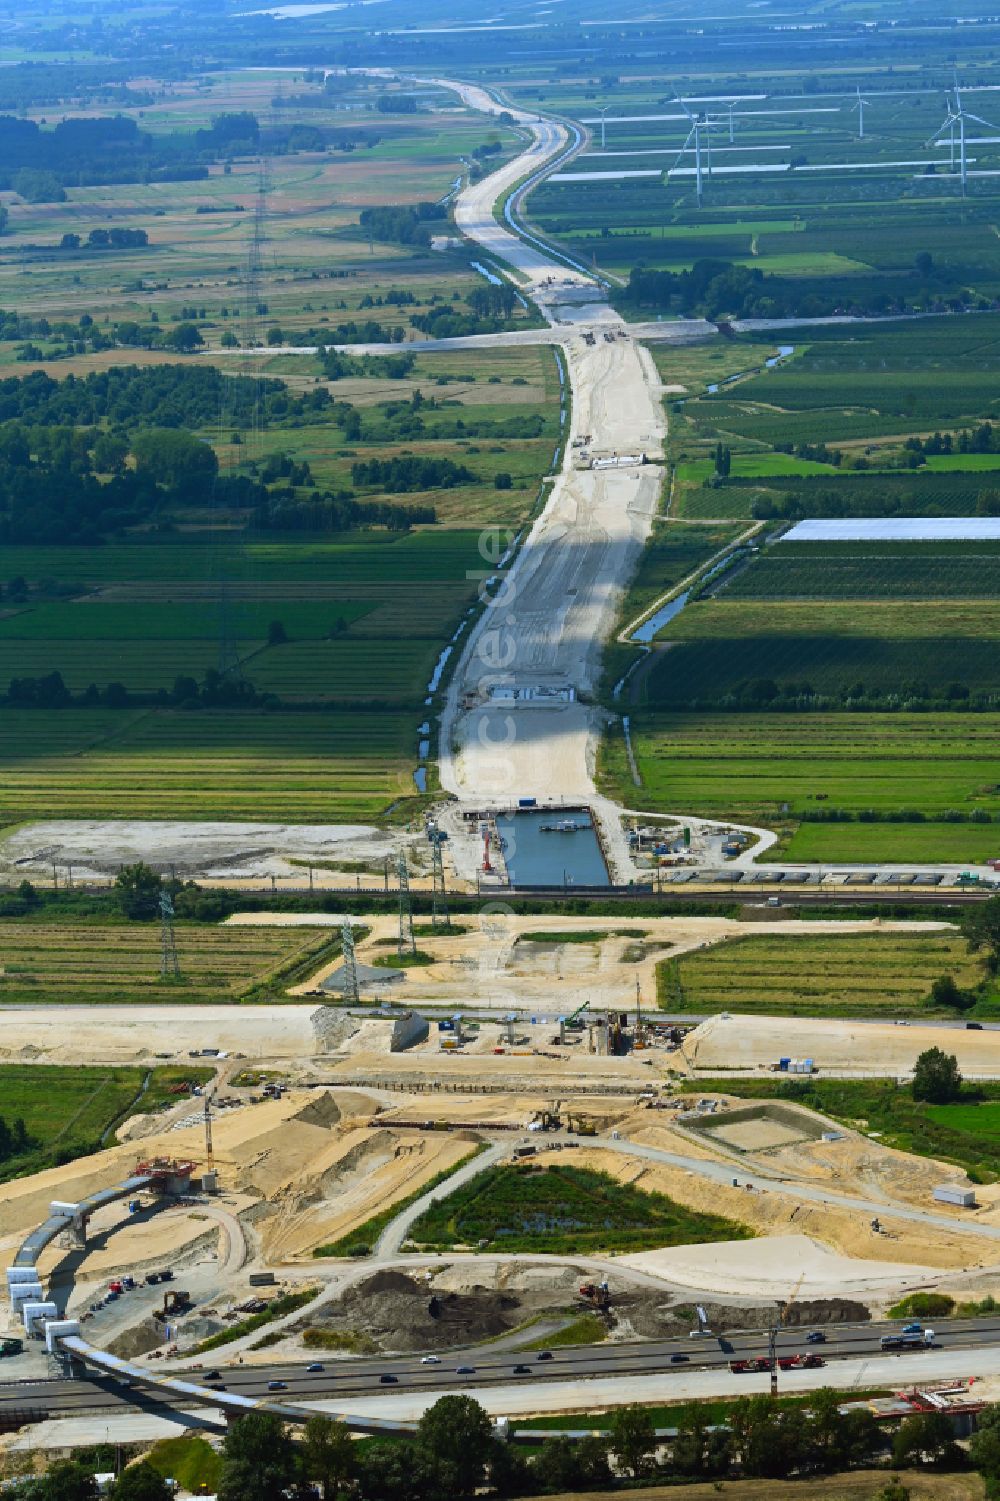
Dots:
(96, 848)
(114, 1034)
(483, 963)
(861, 1049)
(768, 1268)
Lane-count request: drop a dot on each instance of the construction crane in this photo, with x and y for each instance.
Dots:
(773, 1331)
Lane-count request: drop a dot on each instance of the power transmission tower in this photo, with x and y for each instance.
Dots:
(350, 967)
(406, 941)
(169, 962)
(439, 911)
(209, 1148)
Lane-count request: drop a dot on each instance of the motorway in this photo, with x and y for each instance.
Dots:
(342, 1378)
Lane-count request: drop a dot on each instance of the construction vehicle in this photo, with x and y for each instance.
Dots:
(581, 1124)
(589, 337)
(175, 1301)
(548, 1119)
(11, 1347)
(597, 1295)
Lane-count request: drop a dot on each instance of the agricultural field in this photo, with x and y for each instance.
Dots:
(564, 1210)
(774, 768)
(869, 975)
(75, 963)
(872, 572)
(68, 1111)
(300, 767)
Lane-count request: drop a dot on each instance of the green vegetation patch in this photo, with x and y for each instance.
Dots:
(849, 974)
(190, 1460)
(880, 1107)
(564, 1210)
(277, 1309)
(68, 1111)
(588, 1329)
(752, 767)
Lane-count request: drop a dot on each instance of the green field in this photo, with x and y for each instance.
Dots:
(68, 1110)
(870, 975)
(119, 964)
(897, 843)
(750, 766)
(873, 576)
(305, 768)
(564, 1210)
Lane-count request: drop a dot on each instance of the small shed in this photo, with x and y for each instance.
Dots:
(954, 1193)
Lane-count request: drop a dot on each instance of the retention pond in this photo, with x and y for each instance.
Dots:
(552, 847)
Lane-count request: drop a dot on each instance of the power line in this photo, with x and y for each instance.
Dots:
(406, 941)
(169, 962)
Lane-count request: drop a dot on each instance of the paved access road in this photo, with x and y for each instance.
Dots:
(491, 1366)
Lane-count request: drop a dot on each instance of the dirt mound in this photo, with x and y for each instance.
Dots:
(321, 1110)
(403, 1314)
(648, 1317)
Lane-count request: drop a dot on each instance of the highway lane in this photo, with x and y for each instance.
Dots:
(351, 1378)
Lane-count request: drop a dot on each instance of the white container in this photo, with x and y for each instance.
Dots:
(26, 1292)
(954, 1193)
(37, 1313)
(17, 1274)
(58, 1206)
(57, 1329)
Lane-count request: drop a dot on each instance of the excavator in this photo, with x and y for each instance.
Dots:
(547, 1119)
(597, 1296)
(583, 1125)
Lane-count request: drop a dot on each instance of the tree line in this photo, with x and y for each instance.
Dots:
(456, 1454)
(719, 290)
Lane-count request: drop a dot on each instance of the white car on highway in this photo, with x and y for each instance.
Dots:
(430, 1360)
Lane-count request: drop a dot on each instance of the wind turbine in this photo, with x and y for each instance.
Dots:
(699, 123)
(860, 107)
(730, 107)
(957, 116)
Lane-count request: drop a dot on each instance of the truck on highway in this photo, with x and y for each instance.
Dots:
(908, 1339)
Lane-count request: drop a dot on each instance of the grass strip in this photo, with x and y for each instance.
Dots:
(286, 1303)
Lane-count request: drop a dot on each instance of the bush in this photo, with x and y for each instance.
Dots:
(923, 1306)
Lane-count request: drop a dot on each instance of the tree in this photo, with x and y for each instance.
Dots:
(276, 634)
(945, 992)
(184, 337)
(699, 1449)
(229, 340)
(502, 480)
(138, 889)
(924, 1438)
(981, 926)
(924, 262)
(984, 1447)
(894, 1491)
(768, 1441)
(567, 1464)
(110, 453)
(327, 1452)
(171, 457)
(936, 1077)
(633, 1439)
(258, 1459)
(141, 1483)
(67, 1480)
(459, 1432)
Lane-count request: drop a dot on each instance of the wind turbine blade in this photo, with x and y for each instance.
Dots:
(680, 101)
(980, 121)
